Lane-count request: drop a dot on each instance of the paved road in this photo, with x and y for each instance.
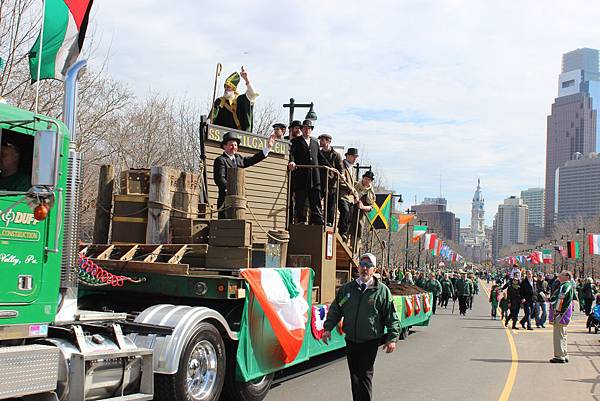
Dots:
(466, 358)
(454, 358)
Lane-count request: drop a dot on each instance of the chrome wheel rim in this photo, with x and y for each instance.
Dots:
(201, 370)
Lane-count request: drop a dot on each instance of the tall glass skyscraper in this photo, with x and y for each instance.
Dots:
(572, 126)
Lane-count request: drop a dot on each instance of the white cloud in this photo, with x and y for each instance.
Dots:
(476, 79)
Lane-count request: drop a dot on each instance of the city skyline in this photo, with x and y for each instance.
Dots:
(409, 110)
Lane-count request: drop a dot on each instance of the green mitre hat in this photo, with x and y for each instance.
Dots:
(233, 80)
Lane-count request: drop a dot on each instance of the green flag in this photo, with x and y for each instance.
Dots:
(60, 41)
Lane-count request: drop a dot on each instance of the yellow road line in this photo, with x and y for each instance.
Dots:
(512, 373)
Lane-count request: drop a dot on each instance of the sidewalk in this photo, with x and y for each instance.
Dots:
(537, 379)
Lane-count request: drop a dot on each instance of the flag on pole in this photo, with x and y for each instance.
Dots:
(547, 255)
(418, 232)
(61, 39)
(283, 296)
(380, 213)
(572, 249)
(400, 221)
(429, 242)
(594, 244)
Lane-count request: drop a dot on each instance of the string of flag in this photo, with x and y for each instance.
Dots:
(571, 250)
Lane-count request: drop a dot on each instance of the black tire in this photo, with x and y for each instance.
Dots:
(253, 390)
(596, 330)
(174, 388)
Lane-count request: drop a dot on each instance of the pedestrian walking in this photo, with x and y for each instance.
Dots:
(504, 306)
(588, 292)
(526, 290)
(435, 288)
(367, 307)
(514, 303)
(541, 296)
(464, 289)
(447, 290)
(561, 312)
(494, 297)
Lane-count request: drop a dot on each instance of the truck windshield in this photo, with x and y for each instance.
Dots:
(16, 157)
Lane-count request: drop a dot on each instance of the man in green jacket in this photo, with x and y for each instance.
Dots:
(464, 289)
(367, 306)
(435, 288)
(562, 308)
(447, 290)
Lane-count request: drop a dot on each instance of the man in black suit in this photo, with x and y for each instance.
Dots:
(230, 158)
(526, 291)
(306, 182)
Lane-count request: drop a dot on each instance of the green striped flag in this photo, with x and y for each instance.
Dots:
(60, 40)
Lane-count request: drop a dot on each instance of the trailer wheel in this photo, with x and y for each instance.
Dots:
(201, 370)
(253, 390)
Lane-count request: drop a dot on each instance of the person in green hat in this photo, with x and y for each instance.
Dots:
(233, 110)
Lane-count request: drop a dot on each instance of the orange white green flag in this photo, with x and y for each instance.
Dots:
(283, 296)
(418, 232)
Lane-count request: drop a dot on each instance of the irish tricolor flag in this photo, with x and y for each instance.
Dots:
(61, 39)
(594, 244)
(547, 255)
(283, 296)
(418, 232)
(429, 241)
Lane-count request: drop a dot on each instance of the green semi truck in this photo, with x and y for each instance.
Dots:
(136, 321)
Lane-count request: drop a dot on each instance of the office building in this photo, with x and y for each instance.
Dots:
(572, 126)
(578, 188)
(510, 224)
(442, 221)
(534, 199)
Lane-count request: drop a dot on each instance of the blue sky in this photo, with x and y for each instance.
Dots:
(450, 87)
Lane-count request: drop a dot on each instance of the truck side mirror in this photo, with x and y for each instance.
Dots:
(45, 158)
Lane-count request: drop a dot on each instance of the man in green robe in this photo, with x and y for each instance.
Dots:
(233, 110)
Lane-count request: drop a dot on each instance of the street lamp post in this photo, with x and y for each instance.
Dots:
(421, 222)
(582, 232)
(311, 115)
(562, 265)
(399, 196)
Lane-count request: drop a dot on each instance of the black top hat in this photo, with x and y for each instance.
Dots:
(352, 152)
(308, 123)
(326, 136)
(230, 136)
(295, 123)
(279, 125)
(369, 174)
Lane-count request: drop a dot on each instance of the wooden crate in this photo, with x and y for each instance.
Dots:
(135, 182)
(229, 258)
(186, 189)
(234, 233)
(130, 219)
(196, 256)
(188, 231)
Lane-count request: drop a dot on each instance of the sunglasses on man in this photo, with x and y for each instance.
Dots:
(366, 264)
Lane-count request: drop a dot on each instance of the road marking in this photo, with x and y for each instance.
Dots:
(512, 373)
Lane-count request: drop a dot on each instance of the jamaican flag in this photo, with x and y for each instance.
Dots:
(380, 215)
